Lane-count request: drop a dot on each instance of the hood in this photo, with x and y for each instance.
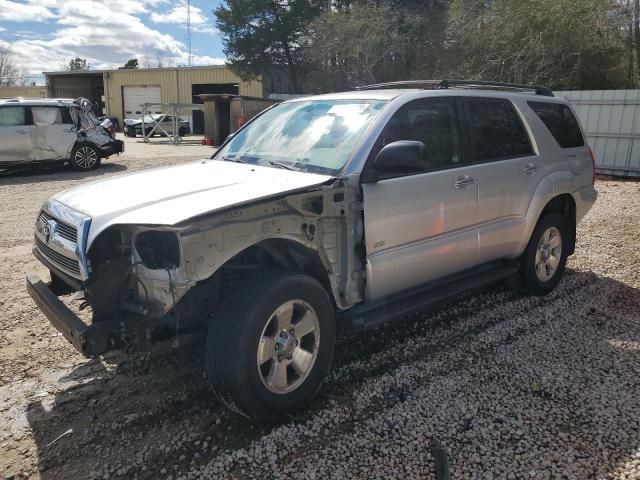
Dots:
(167, 196)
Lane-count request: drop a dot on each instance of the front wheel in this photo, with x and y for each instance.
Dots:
(269, 349)
(544, 260)
(84, 157)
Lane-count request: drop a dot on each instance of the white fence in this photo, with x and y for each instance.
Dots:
(611, 120)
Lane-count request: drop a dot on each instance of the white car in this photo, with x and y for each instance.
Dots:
(54, 130)
(133, 127)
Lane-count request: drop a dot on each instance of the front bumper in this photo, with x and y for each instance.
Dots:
(90, 340)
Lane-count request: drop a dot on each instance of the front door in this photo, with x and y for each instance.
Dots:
(53, 133)
(15, 135)
(421, 226)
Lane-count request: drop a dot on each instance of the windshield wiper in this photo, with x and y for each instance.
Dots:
(236, 159)
(281, 165)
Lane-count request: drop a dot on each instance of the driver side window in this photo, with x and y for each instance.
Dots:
(433, 122)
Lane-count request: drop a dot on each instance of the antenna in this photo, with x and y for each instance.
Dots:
(189, 33)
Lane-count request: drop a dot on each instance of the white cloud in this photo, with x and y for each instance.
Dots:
(31, 11)
(106, 33)
(178, 16)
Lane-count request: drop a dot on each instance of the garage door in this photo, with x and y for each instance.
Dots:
(133, 97)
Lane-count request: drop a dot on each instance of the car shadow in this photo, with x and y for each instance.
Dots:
(142, 415)
(41, 173)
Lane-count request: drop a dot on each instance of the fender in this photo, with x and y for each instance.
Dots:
(551, 186)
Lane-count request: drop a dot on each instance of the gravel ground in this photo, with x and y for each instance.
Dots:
(510, 386)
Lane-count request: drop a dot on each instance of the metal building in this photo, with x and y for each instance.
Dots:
(25, 91)
(122, 92)
(611, 120)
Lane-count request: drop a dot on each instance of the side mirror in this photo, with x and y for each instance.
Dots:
(403, 156)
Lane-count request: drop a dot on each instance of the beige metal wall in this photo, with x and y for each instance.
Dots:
(29, 92)
(175, 84)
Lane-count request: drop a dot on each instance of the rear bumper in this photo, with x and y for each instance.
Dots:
(584, 198)
(117, 146)
(87, 339)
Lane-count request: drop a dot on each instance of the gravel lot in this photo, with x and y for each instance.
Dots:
(510, 386)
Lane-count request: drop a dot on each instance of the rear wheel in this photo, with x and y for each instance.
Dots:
(84, 157)
(267, 357)
(544, 260)
(182, 131)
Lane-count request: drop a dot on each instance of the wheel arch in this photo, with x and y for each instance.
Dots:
(290, 255)
(547, 198)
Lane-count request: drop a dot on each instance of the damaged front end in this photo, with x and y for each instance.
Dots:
(130, 277)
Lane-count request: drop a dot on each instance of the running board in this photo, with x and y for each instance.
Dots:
(371, 315)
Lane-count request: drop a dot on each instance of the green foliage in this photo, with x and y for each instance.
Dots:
(261, 34)
(564, 44)
(78, 64)
(131, 64)
(559, 43)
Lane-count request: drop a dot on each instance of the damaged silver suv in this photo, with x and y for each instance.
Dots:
(54, 130)
(339, 211)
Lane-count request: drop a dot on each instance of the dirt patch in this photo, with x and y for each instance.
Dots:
(510, 386)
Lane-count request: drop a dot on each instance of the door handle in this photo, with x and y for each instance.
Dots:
(22, 132)
(462, 182)
(530, 169)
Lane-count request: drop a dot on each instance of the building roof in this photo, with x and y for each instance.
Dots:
(95, 72)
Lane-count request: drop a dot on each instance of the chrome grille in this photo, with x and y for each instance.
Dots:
(67, 232)
(66, 264)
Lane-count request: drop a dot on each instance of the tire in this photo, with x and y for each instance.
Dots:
(244, 371)
(84, 157)
(182, 131)
(545, 258)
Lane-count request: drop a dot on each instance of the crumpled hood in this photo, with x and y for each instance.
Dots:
(167, 196)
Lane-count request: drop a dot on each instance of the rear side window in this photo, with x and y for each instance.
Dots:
(561, 122)
(43, 116)
(496, 130)
(13, 117)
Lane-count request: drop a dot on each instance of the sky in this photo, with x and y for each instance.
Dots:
(46, 34)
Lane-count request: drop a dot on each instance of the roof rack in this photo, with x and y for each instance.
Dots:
(445, 84)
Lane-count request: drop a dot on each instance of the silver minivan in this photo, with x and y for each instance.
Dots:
(54, 130)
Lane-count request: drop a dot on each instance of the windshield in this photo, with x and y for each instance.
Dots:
(313, 136)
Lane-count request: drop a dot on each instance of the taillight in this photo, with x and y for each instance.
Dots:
(593, 167)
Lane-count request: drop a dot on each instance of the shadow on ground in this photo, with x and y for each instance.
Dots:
(149, 416)
(41, 173)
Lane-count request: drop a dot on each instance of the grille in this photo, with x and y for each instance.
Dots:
(65, 231)
(67, 264)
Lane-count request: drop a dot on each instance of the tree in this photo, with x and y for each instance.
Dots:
(10, 73)
(78, 64)
(560, 43)
(368, 42)
(262, 35)
(131, 64)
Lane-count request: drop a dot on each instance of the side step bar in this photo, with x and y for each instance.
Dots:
(371, 315)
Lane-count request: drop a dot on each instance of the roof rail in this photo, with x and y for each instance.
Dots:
(443, 84)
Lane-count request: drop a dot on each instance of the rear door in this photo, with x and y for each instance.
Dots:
(53, 133)
(420, 226)
(15, 134)
(508, 172)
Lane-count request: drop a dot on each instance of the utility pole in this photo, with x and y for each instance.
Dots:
(189, 33)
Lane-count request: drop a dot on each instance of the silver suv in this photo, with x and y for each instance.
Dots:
(337, 211)
(54, 130)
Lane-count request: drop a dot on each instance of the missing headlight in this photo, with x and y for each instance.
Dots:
(158, 249)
